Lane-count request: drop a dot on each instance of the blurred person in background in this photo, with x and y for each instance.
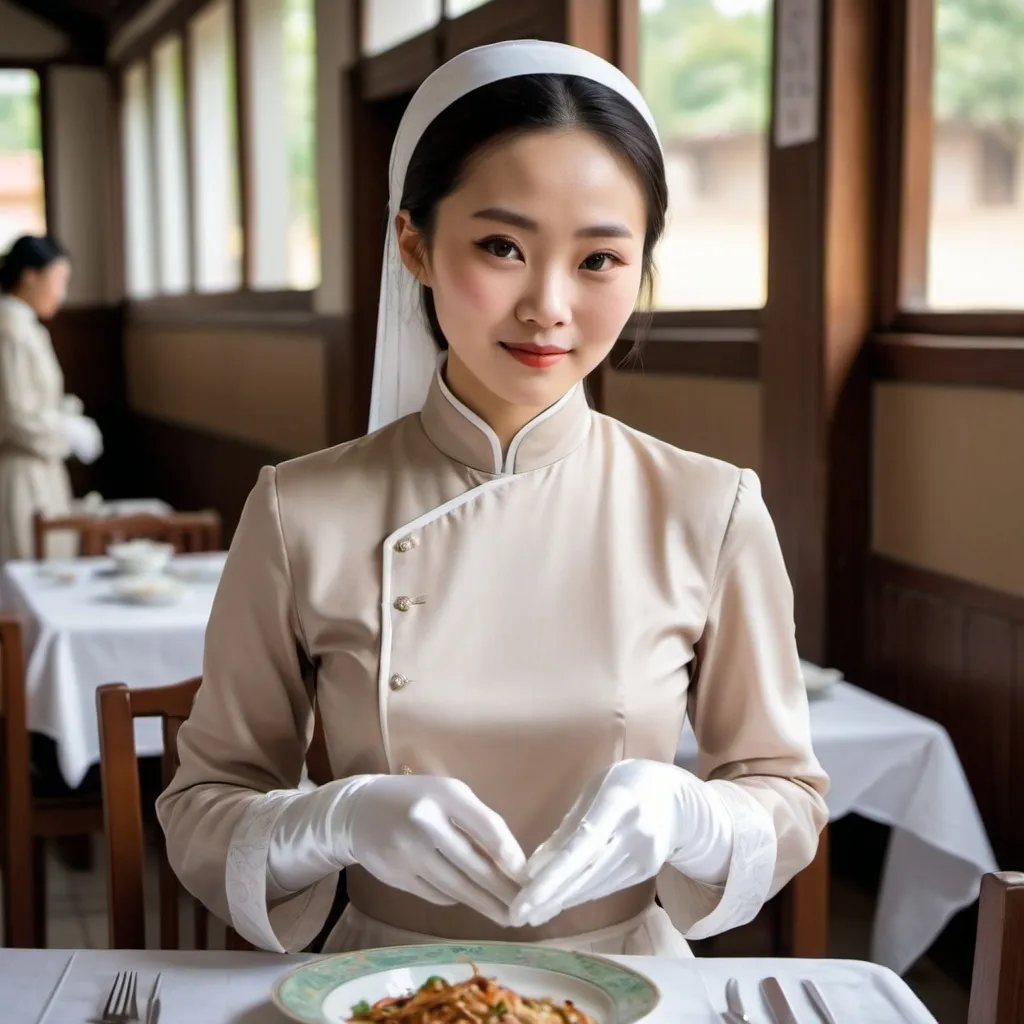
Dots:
(40, 425)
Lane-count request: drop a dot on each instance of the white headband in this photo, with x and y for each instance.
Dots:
(406, 356)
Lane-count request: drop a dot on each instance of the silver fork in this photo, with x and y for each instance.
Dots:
(122, 1004)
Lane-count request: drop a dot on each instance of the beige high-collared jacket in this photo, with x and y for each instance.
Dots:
(33, 443)
(518, 622)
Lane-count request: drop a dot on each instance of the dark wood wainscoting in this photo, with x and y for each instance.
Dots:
(89, 342)
(954, 651)
(190, 469)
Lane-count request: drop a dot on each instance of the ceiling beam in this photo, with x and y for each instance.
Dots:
(87, 34)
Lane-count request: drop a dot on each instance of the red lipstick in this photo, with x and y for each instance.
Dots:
(538, 357)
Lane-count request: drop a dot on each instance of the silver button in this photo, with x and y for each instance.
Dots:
(398, 682)
(403, 604)
(405, 770)
(405, 544)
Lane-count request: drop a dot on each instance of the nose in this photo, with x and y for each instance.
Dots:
(547, 300)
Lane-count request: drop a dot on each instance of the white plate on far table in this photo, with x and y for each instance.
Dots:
(150, 590)
(325, 991)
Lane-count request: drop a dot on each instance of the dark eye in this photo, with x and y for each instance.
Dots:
(598, 261)
(502, 248)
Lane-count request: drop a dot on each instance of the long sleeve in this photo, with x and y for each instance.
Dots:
(244, 745)
(748, 707)
(30, 420)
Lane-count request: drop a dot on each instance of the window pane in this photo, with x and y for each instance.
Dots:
(172, 177)
(22, 210)
(140, 240)
(218, 228)
(976, 240)
(705, 71)
(387, 23)
(281, 50)
(303, 240)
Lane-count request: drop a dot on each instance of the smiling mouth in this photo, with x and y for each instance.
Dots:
(537, 356)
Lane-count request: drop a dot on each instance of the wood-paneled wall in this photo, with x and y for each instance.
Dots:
(954, 651)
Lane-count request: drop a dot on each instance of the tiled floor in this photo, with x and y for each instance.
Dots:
(77, 919)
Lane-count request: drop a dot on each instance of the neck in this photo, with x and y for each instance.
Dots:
(504, 418)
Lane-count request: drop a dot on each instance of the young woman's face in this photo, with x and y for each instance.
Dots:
(45, 290)
(535, 266)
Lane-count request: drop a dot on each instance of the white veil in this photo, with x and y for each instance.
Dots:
(406, 356)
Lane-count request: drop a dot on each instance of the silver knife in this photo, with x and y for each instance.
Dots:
(153, 1011)
(815, 996)
(777, 1001)
(736, 1015)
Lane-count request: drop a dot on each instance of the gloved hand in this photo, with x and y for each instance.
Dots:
(630, 820)
(425, 835)
(72, 405)
(83, 436)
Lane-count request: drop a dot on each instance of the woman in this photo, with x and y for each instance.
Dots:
(40, 426)
(503, 603)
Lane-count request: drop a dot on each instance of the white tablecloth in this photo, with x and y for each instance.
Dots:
(895, 767)
(234, 988)
(78, 636)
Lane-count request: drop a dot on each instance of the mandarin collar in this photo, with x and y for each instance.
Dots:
(462, 435)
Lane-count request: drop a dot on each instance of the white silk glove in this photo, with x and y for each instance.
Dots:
(428, 836)
(630, 820)
(83, 436)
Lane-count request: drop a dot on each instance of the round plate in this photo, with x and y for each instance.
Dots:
(157, 591)
(324, 991)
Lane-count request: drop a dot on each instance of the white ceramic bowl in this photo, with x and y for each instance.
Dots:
(141, 557)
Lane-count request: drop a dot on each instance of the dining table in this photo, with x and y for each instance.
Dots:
(212, 987)
(899, 768)
(79, 632)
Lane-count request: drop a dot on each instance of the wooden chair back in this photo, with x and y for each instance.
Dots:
(16, 785)
(189, 532)
(117, 708)
(997, 985)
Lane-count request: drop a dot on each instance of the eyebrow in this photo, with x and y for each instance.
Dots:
(518, 220)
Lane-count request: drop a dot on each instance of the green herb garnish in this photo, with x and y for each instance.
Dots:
(361, 1009)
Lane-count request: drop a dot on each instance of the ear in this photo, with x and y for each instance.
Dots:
(413, 248)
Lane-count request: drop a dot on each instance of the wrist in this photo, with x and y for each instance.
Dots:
(705, 833)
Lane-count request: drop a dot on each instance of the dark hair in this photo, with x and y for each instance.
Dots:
(515, 106)
(30, 252)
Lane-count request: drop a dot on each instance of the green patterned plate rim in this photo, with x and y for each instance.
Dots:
(301, 993)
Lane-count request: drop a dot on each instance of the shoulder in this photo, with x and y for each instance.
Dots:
(310, 487)
(691, 475)
(14, 324)
(344, 463)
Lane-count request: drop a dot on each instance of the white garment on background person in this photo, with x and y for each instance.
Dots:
(34, 441)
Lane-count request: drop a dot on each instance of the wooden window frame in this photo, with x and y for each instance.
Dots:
(910, 342)
(244, 304)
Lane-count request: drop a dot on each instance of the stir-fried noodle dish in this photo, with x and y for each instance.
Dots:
(478, 1000)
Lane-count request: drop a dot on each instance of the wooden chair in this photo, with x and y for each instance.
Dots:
(28, 818)
(189, 532)
(997, 985)
(118, 707)
(801, 918)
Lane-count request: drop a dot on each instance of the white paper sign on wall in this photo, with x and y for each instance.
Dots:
(797, 72)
